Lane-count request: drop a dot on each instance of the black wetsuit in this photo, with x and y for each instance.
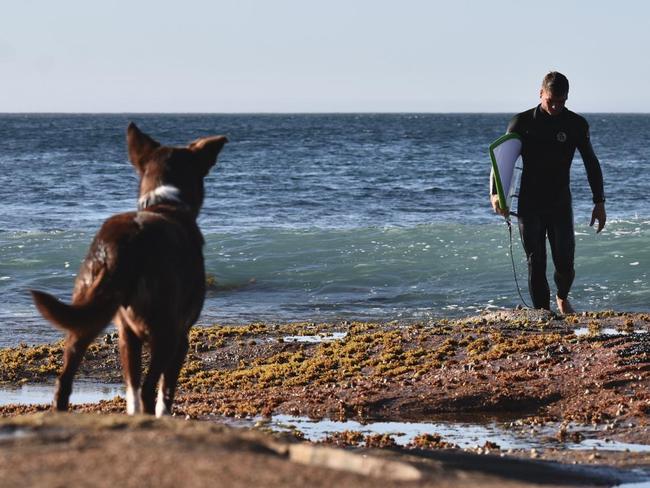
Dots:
(544, 207)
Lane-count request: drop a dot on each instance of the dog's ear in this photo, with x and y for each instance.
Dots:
(140, 146)
(207, 149)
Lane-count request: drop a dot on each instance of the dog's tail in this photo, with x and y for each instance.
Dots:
(89, 314)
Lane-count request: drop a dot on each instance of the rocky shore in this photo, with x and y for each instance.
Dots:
(570, 379)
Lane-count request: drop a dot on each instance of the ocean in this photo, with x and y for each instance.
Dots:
(318, 217)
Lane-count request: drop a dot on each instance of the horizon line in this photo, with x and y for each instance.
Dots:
(364, 112)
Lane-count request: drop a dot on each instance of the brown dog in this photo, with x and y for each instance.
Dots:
(144, 270)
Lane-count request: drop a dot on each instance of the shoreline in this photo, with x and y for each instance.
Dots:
(265, 357)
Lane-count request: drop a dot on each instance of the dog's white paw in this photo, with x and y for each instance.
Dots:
(133, 402)
(161, 408)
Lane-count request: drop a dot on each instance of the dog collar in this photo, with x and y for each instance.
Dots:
(163, 194)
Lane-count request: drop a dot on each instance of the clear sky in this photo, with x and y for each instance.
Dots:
(320, 56)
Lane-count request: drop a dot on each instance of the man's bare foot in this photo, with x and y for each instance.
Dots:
(564, 306)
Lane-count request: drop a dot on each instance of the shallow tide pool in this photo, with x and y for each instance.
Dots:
(82, 392)
(465, 434)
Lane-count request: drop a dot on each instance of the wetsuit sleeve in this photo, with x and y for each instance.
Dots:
(592, 166)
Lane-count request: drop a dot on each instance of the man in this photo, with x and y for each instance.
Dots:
(550, 134)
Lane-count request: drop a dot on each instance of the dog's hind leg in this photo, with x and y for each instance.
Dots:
(75, 347)
(161, 355)
(167, 386)
(131, 358)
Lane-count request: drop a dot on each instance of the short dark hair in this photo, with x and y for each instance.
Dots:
(556, 83)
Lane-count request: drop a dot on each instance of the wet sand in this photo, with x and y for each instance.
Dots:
(559, 380)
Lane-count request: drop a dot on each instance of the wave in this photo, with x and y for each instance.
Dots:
(378, 273)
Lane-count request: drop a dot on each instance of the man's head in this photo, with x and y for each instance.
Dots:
(554, 92)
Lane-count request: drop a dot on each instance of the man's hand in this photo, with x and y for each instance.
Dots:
(494, 199)
(600, 215)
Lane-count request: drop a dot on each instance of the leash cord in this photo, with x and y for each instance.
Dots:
(512, 258)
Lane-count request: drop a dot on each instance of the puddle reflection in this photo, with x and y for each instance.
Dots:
(465, 435)
(83, 392)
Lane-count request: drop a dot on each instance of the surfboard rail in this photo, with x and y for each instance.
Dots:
(503, 165)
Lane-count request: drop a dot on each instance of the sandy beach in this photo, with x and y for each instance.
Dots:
(560, 381)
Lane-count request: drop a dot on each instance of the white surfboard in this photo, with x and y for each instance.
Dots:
(504, 153)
